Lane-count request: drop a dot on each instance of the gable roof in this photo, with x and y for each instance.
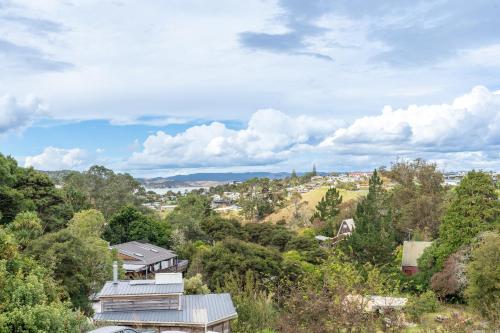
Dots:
(349, 223)
(196, 309)
(412, 250)
(143, 253)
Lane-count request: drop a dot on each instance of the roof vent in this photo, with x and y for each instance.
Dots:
(138, 254)
(154, 250)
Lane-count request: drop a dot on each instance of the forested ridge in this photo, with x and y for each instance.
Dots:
(54, 250)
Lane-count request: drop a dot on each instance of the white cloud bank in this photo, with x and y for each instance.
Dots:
(53, 158)
(462, 134)
(469, 126)
(17, 115)
(271, 136)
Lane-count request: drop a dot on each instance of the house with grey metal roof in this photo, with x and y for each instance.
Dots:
(143, 258)
(161, 305)
(412, 251)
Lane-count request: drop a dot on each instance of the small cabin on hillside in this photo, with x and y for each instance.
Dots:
(141, 259)
(412, 251)
(346, 227)
(160, 305)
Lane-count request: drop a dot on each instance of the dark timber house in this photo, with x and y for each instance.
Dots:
(140, 259)
(161, 305)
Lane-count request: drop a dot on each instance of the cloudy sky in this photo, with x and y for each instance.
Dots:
(175, 86)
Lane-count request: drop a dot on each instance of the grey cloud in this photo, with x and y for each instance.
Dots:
(31, 58)
(34, 25)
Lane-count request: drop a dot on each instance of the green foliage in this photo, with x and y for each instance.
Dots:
(130, 224)
(256, 311)
(419, 305)
(29, 297)
(101, 189)
(474, 208)
(26, 227)
(483, 275)
(77, 256)
(268, 234)
(328, 207)
(87, 223)
(236, 256)
(29, 190)
(373, 239)
(191, 212)
(417, 199)
(218, 228)
(194, 285)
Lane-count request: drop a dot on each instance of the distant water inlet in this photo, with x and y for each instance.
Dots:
(182, 190)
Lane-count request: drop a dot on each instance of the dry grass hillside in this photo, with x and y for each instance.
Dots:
(310, 199)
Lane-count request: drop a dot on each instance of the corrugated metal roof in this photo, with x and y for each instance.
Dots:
(217, 307)
(109, 329)
(144, 253)
(140, 287)
(412, 250)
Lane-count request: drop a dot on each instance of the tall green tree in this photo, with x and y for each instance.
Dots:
(30, 300)
(474, 208)
(26, 227)
(328, 207)
(483, 278)
(130, 224)
(417, 198)
(102, 189)
(77, 256)
(373, 238)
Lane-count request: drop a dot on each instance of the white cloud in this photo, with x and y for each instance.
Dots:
(470, 122)
(468, 127)
(271, 136)
(17, 115)
(53, 158)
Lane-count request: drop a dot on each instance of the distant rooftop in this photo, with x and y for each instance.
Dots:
(196, 309)
(163, 284)
(143, 253)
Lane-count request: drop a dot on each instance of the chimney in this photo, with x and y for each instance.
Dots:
(115, 272)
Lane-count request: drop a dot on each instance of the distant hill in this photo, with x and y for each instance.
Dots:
(195, 179)
(228, 176)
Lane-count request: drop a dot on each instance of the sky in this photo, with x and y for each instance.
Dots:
(163, 87)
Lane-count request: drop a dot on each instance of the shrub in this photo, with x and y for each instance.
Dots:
(419, 305)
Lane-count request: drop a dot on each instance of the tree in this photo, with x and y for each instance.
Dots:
(101, 189)
(77, 256)
(372, 240)
(26, 227)
(328, 207)
(483, 277)
(314, 172)
(253, 303)
(30, 300)
(417, 199)
(191, 211)
(129, 224)
(474, 208)
(194, 285)
(29, 190)
(236, 256)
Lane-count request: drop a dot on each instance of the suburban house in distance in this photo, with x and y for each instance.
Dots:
(160, 305)
(140, 259)
(412, 250)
